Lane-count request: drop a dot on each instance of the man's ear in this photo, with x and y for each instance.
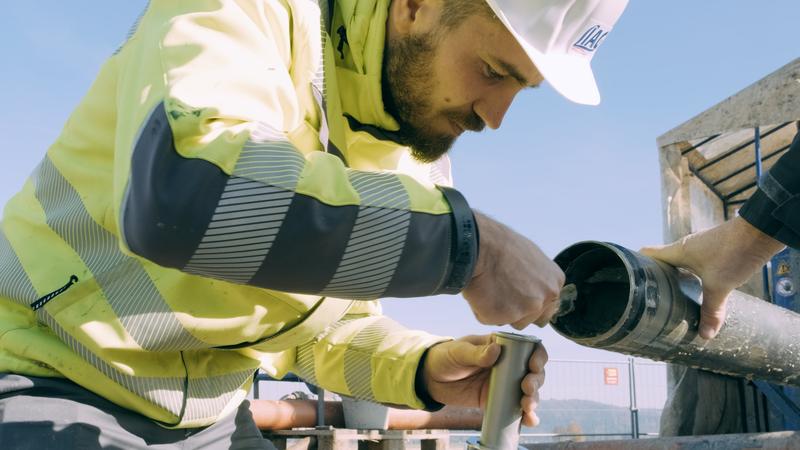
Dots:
(408, 16)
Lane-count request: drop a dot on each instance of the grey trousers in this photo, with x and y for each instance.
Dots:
(54, 413)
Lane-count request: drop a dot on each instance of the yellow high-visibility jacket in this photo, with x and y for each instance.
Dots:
(226, 198)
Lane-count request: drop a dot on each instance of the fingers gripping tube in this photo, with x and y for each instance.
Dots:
(501, 420)
(621, 301)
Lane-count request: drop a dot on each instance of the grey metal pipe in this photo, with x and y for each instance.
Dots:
(288, 414)
(501, 420)
(625, 302)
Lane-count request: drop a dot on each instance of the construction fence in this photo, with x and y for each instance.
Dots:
(584, 400)
(581, 400)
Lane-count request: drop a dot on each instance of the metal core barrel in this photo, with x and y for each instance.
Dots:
(501, 419)
(625, 302)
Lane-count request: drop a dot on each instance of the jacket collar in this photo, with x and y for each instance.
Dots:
(358, 34)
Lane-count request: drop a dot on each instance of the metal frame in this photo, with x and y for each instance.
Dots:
(728, 199)
(771, 393)
(634, 407)
(778, 398)
(634, 433)
(706, 178)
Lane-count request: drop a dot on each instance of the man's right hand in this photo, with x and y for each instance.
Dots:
(514, 282)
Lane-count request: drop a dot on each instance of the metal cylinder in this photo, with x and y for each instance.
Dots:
(632, 304)
(501, 419)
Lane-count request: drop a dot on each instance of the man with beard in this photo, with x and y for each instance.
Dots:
(237, 190)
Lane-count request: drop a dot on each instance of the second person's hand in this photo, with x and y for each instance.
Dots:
(724, 257)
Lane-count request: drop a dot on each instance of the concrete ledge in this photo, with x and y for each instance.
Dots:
(346, 439)
(783, 440)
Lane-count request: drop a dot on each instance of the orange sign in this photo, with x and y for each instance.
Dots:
(611, 375)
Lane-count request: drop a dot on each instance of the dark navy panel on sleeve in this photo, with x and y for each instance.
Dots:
(170, 199)
(308, 248)
(253, 228)
(425, 263)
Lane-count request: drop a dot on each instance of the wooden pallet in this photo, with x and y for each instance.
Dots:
(345, 439)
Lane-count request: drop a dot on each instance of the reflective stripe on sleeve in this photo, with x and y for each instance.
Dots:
(358, 357)
(252, 227)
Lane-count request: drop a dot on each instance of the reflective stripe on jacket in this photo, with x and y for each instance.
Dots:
(188, 226)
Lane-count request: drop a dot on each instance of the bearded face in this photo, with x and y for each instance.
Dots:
(408, 84)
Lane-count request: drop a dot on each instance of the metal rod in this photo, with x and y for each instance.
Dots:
(256, 392)
(634, 407)
(740, 190)
(288, 414)
(743, 404)
(736, 202)
(758, 408)
(737, 149)
(707, 182)
(501, 421)
(775, 153)
(537, 435)
(320, 407)
(699, 144)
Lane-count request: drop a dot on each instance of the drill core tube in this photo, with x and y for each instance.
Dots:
(501, 420)
(625, 302)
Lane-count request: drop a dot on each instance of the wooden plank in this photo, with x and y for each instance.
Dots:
(745, 157)
(435, 444)
(347, 439)
(675, 192)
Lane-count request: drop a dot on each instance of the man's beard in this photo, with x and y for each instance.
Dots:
(407, 84)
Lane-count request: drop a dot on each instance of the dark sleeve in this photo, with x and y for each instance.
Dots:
(258, 227)
(775, 207)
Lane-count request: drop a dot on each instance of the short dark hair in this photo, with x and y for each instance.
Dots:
(454, 12)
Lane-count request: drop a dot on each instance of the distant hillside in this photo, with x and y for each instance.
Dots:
(575, 416)
(582, 416)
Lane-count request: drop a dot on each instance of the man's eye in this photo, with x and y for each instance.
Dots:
(491, 73)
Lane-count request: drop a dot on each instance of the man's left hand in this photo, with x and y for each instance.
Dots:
(457, 373)
(724, 257)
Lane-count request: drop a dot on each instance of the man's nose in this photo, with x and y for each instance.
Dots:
(492, 106)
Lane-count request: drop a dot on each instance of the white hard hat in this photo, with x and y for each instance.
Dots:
(561, 37)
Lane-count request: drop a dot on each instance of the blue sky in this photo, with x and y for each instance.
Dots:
(556, 172)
